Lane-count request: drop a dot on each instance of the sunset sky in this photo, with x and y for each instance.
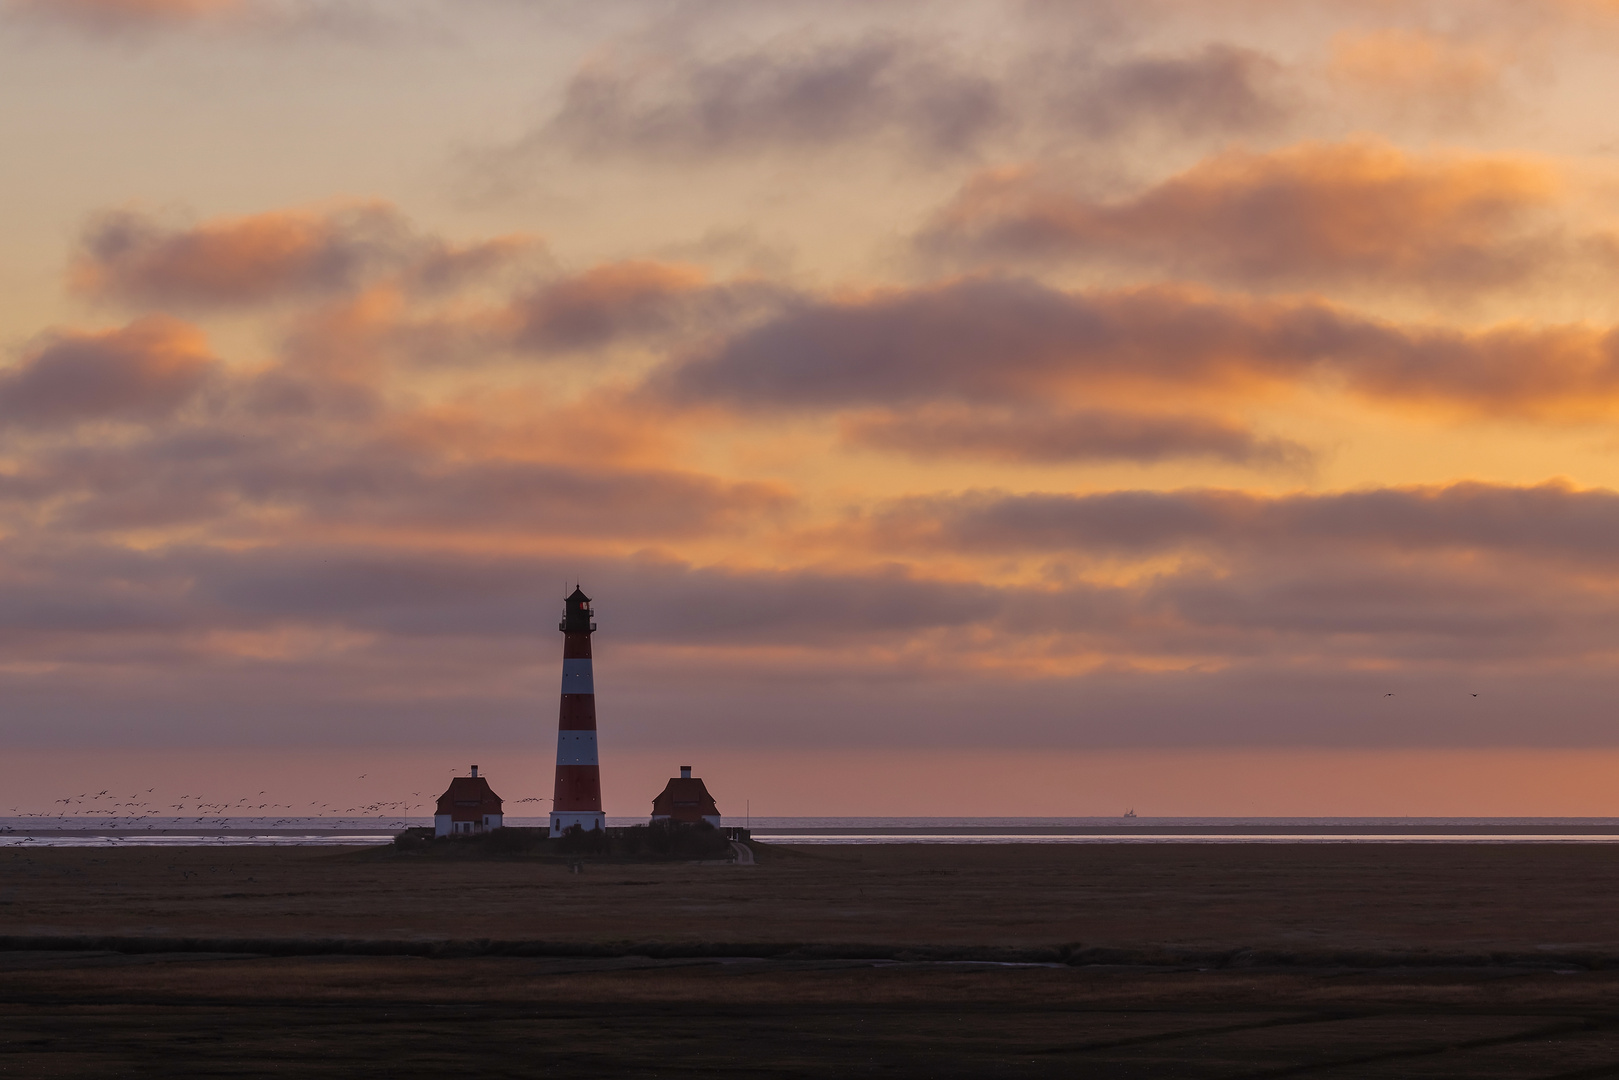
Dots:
(983, 407)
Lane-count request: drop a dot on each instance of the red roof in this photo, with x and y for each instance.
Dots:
(468, 799)
(684, 799)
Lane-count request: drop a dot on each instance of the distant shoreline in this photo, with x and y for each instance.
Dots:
(1549, 829)
(15, 832)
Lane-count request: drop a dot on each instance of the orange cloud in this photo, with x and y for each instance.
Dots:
(143, 372)
(604, 303)
(284, 546)
(318, 441)
(1359, 213)
(797, 97)
(286, 253)
(1554, 522)
(997, 341)
(799, 94)
(1296, 618)
(1037, 434)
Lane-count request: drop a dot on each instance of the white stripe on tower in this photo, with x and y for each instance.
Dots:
(577, 677)
(576, 748)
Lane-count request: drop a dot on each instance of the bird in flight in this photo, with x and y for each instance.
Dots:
(1388, 695)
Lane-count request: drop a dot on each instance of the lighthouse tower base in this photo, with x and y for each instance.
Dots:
(563, 820)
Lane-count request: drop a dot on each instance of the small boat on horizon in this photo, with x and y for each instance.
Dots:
(1130, 812)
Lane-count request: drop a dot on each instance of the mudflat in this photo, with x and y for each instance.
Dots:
(1286, 898)
(1330, 960)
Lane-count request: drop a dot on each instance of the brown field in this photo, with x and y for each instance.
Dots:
(1164, 961)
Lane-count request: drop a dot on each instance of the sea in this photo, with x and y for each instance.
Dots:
(151, 831)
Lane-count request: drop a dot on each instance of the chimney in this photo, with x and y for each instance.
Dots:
(475, 770)
(685, 772)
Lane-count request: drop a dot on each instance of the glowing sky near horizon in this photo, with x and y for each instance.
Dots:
(986, 377)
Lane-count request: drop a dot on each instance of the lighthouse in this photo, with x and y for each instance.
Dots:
(578, 796)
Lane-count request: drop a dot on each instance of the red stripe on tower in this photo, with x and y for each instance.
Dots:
(578, 796)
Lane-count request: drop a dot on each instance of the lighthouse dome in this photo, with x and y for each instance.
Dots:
(576, 613)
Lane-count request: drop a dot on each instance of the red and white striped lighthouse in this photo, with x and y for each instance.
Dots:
(578, 796)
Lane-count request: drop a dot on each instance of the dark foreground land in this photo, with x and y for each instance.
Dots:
(1142, 961)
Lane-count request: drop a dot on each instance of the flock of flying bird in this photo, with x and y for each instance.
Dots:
(108, 810)
(132, 809)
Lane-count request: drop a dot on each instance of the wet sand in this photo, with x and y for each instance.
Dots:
(1168, 960)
